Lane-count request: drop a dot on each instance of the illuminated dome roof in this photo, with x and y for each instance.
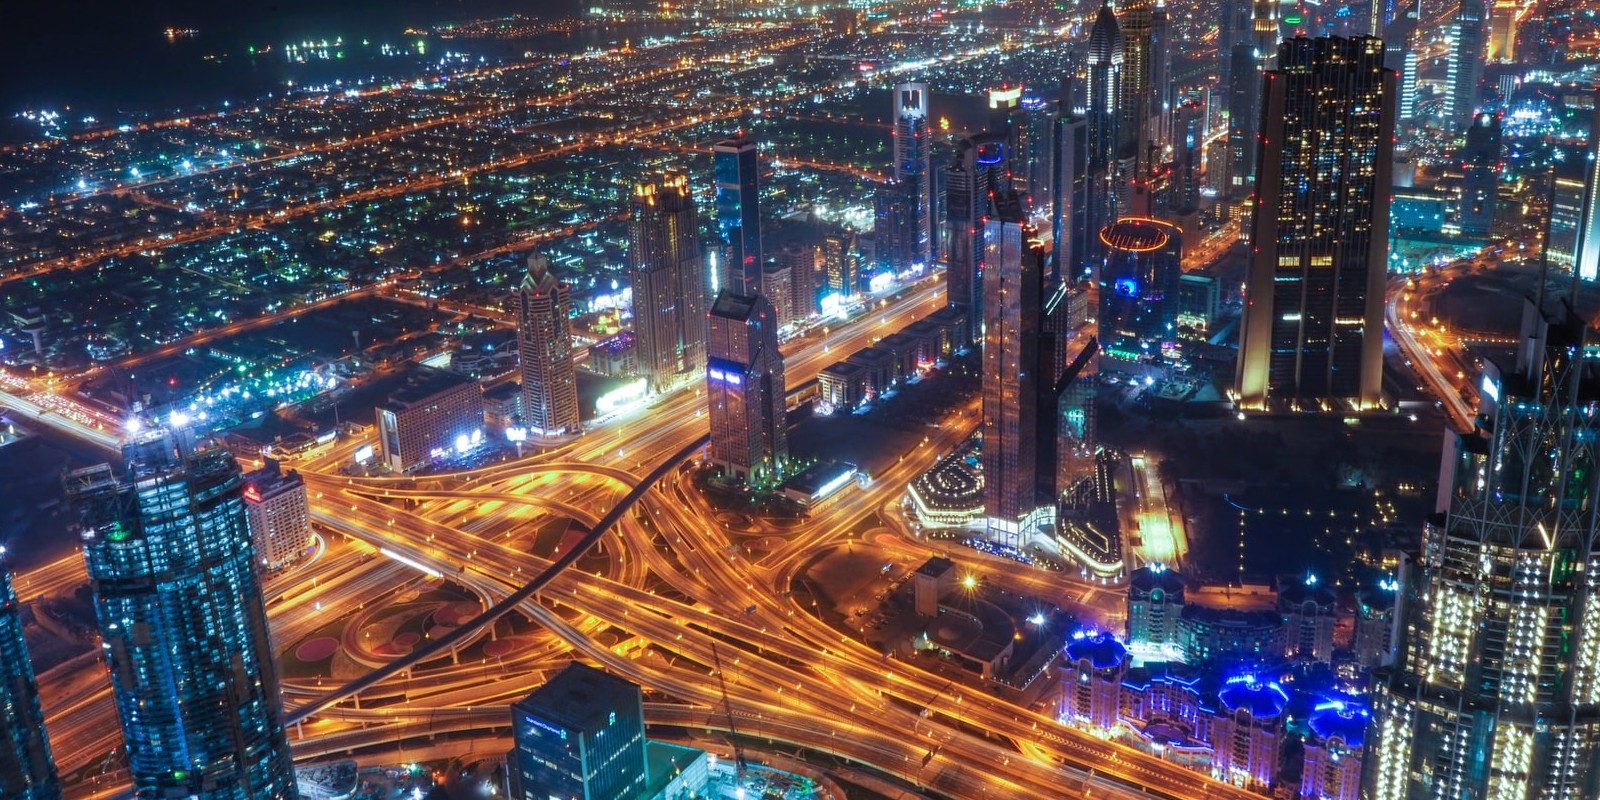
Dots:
(1132, 233)
(1344, 719)
(1264, 699)
(1102, 650)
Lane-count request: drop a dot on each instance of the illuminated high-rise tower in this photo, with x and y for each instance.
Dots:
(182, 622)
(736, 169)
(669, 292)
(1249, 61)
(1021, 366)
(1312, 329)
(1105, 61)
(1586, 256)
(745, 390)
(1464, 63)
(913, 164)
(1495, 689)
(544, 347)
(966, 202)
(27, 771)
(1480, 168)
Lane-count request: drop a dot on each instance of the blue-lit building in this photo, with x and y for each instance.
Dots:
(27, 771)
(735, 168)
(1139, 288)
(1334, 744)
(579, 737)
(182, 622)
(1093, 666)
(1247, 730)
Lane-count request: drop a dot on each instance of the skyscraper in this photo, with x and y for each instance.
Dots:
(1013, 300)
(841, 262)
(1145, 85)
(894, 230)
(1587, 254)
(1105, 62)
(1464, 64)
(669, 290)
(544, 346)
(581, 735)
(966, 201)
(1073, 185)
(1249, 60)
(27, 771)
(1312, 329)
(913, 165)
(736, 168)
(182, 622)
(745, 390)
(1495, 691)
(1480, 172)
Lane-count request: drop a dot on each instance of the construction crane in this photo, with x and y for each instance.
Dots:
(727, 708)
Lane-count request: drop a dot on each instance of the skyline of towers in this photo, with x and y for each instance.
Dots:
(182, 623)
(745, 390)
(913, 167)
(1495, 690)
(27, 769)
(544, 350)
(669, 293)
(1312, 328)
(736, 169)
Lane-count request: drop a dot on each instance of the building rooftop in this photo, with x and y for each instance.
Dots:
(1264, 699)
(579, 697)
(423, 383)
(936, 567)
(1343, 718)
(821, 478)
(734, 306)
(271, 479)
(1102, 650)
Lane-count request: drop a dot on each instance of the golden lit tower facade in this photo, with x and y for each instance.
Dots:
(1312, 328)
(669, 292)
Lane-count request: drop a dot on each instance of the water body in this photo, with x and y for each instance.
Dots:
(112, 59)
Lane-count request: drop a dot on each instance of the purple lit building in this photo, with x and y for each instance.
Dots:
(1091, 689)
(1247, 730)
(1333, 751)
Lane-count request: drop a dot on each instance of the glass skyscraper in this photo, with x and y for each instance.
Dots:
(1312, 330)
(735, 169)
(27, 771)
(182, 622)
(669, 288)
(745, 389)
(544, 349)
(1495, 689)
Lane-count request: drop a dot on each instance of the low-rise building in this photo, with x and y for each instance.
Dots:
(435, 414)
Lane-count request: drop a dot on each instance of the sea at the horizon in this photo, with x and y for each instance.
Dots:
(114, 61)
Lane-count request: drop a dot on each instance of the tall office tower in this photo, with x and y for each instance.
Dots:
(1495, 691)
(1019, 442)
(1464, 64)
(1139, 288)
(1145, 86)
(1503, 31)
(1105, 79)
(841, 262)
(1009, 138)
(1480, 168)
(182, 623)
(913, 164)
(1189, 127)
(544, 346)
(966, 202)
(279, 515)
(1312, 329)
(1234, 27)
(895, 236)
(669, 292)
(1250, 61)
(1400, 55)
(736, 168)
(745, 390)
(1565, 223)
(1072, 185)
(1587, 258)
(581, 735)
(27, 771)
